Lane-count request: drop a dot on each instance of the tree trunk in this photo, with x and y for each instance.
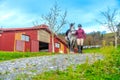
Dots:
(53, 46)
(115, 40)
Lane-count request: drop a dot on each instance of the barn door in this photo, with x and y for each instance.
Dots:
(20, 45)
(34, 46)
(44, 36)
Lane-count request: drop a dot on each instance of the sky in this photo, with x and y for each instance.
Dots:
(22, 13)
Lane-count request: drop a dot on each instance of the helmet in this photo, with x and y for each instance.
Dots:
(79, 25)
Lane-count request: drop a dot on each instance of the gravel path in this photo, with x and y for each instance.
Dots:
(28, 67)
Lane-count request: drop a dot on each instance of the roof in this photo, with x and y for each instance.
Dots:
(27, 28)
(61, 39)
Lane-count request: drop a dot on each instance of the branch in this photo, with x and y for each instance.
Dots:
(100, 22)
(35, 23)
(63, 21)
(53, 17)
(109, 17)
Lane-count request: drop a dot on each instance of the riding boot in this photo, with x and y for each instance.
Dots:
(79, 49)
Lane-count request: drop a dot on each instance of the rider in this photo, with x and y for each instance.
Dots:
(69, 36)
(80, 34)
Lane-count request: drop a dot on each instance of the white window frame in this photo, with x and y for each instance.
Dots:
(57, 45)
(25, 37)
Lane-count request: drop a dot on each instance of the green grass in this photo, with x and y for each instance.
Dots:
(107, 69)
(91, 50)
(15, 55)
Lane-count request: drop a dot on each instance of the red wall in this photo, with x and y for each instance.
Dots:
(33, 36)
(50, 44)
(65, 49)
(34, 46)
(56, 41)
(65, 46)
(7, 41)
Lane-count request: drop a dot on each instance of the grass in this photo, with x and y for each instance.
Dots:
(92, 50)
(15, 55)
(107, 69)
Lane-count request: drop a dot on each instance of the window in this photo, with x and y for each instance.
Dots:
(25, 38)
(57, 45)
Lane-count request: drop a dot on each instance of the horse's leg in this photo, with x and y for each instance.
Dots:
(72, 44)
(69, 45)
(71, 49)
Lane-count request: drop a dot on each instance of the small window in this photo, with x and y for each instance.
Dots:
(57, 45)
(25, 37)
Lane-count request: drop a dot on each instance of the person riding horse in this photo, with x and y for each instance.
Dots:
(71, 38)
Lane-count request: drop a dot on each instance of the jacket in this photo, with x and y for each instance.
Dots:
(80, 33)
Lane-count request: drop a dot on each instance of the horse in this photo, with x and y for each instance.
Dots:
(71, 39)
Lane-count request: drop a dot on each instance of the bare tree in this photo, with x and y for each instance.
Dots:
(96, 37)
(110, 22)
(35, 23)
(55, 20)
(93, 36)
(118, 30)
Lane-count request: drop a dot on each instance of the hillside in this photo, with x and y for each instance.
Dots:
(96, 39)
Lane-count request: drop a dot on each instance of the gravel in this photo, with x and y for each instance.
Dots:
(28, 67)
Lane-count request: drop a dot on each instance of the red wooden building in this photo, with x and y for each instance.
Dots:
(32, 39)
